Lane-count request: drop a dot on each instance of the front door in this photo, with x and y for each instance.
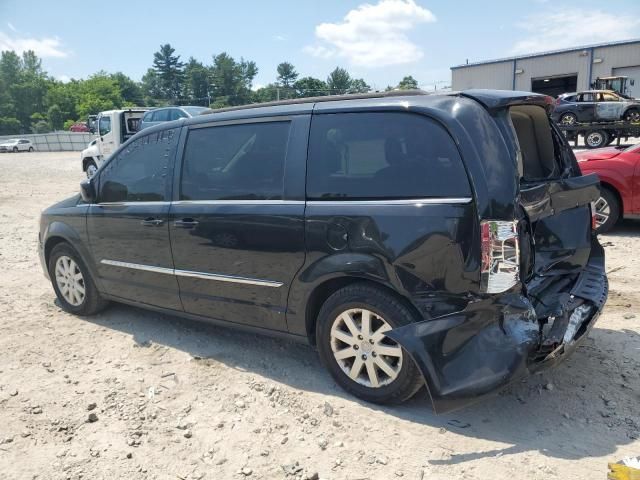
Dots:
(586, 107)
(106, 136)
(237, 232)
(128, 226)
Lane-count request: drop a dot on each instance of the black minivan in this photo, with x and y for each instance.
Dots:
(438, 240)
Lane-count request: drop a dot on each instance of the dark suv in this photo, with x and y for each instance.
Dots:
(414, 239)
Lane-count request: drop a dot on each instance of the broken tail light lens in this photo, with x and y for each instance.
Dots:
(500, 255)
(594, 218)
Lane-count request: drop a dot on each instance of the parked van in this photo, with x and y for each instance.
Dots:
(438, 240)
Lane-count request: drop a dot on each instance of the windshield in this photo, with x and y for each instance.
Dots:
(194, 110)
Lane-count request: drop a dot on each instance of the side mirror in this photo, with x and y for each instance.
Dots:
(88, 191)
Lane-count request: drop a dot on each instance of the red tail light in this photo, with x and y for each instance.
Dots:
(500, 255)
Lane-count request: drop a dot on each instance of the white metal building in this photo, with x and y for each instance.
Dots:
(555, 72)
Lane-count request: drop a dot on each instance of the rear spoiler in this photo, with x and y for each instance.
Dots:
(498, 99)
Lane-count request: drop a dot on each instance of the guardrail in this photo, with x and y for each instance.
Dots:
(56, 141)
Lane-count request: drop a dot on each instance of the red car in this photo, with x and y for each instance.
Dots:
(619, 172)
(79, 127)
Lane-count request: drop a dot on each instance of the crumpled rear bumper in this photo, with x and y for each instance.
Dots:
(498, 339)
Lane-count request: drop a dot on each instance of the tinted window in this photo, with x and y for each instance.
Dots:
(586, 97)
(382, 155)
(148, 117)
(104, 126)
(235, 162)
(139, 172)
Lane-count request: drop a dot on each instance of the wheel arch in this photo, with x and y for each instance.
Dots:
(59, 232)
(86, 161)
(616, 193)
(323, 290)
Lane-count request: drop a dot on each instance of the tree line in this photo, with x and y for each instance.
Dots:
(31, 101)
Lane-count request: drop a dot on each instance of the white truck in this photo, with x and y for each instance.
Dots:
(114, 127)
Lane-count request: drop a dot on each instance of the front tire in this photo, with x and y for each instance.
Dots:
(632, 115)
(15, 149)
(91, 169)
(353, 347)
(607, 210)
(568, 119)
(72, 282)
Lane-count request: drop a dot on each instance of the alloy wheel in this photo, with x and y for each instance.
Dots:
(633, 116)
(70, 280)
(602, 211)
(362, 350)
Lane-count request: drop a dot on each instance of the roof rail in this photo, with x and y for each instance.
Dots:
(326, 98)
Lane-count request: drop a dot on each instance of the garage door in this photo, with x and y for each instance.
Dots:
(554, 86)
(634, 77)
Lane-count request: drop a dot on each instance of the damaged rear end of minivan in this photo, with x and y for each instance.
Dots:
(541, 273)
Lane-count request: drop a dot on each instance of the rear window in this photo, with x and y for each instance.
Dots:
(539, 149)
(382, 156)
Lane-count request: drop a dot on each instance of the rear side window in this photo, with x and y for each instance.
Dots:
(235, 162)
(177, 114)
(161, 115)
(382, 156)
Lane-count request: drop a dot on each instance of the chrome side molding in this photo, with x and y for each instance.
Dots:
(192, 274)
(228, 278)
(405, 201)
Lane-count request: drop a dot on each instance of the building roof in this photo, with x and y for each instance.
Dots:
(544, 54)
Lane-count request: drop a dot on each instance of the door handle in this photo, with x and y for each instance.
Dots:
(151, 222)
(186, 223)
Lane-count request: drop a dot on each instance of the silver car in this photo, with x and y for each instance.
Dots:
(16, 145)
(167, 114)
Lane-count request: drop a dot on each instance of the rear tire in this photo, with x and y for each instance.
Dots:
(607, 210)
(72, 282)
(352, 350)
(15, 149)
(596, 139)
(31, 149)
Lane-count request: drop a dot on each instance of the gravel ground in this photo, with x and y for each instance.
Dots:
(134, 394)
